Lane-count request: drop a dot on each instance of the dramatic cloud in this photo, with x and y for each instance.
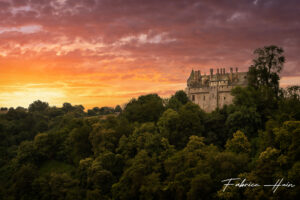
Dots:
(104, 52)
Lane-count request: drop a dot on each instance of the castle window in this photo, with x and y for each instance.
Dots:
(224, 98)
(204, 98)
(193, 97)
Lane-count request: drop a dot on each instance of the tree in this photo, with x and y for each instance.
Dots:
(239, 143)
(191, 122)
(118, 108)
(168, 125)
(38, 106)
(173, 103)
(79, 144)
(67, 107)
(177, 100)
(91, 113)
(106, 110)
(289, 104)
(181, 96)
(23, 180)
(145, 109)
(246, 119)
(266, 67)
(139, 181)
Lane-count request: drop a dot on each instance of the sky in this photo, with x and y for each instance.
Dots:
(106, 52)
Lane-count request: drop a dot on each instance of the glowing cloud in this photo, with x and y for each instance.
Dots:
(103, 52)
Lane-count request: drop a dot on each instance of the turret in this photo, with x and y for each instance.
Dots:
(191, 78)
(199, 76)
(196, 76)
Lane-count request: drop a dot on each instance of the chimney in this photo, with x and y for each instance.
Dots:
(231, 74)
(236, 69)
(218, 71)
(211, 72)
(224, 71)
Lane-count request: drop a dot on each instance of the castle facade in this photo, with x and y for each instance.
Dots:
(213, 91)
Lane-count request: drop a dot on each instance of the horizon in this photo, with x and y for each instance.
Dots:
(283, 84)
(101, 53)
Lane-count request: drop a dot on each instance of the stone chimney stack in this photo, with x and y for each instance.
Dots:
(237, 70)
(218, 71)
(231, 74)
(224, 71)
(211, 72)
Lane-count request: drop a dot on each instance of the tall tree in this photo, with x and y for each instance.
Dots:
(145, 109)
(38, 106)
(266, 67)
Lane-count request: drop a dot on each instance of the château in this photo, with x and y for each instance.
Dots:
(214, 90)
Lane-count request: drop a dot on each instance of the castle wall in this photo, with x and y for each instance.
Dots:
(214, 91)
(210, 99)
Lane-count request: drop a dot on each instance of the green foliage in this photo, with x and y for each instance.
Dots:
(266, 67)
(239, 143)
(168, 126)
(182, 97)
(38, 106)
(118, 108)
(144, 109)
(54, 166)
(177, 100)
(246, 119)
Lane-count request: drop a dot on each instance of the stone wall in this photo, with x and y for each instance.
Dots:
(213, 91)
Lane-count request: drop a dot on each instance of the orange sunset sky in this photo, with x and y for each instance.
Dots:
(105, 52)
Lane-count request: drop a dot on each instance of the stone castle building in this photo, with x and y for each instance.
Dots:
(213, 91)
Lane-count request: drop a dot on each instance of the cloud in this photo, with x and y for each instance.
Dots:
(127, 45)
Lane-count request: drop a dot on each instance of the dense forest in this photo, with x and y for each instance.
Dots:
(157, 148)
